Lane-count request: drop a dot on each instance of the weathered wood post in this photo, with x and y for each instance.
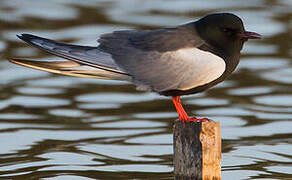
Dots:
(197, 150)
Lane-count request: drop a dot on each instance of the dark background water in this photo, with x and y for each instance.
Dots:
(56, 127)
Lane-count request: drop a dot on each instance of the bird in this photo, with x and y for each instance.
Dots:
(171, 61)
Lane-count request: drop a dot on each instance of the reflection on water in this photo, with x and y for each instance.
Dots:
(55, 127)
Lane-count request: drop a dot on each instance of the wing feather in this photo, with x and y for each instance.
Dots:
(86, 55)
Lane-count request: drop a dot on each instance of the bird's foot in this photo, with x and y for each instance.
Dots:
(182, 114)
(194, 119)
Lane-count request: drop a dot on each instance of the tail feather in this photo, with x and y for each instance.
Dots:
(85, 55)
(82, 61)
(70, 68)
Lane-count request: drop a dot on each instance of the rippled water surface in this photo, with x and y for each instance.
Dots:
(56, 127)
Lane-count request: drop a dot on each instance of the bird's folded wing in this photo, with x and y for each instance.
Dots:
(85, 55)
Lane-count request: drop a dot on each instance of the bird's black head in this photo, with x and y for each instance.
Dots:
(224, 31)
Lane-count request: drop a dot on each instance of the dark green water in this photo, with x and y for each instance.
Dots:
(56, 127)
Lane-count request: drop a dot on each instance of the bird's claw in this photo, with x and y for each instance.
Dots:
(193, 119)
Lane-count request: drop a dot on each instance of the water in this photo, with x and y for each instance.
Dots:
(56, 127)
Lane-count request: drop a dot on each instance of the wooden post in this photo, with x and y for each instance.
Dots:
(197, 150)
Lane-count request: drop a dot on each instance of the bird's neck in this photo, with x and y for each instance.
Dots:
(231, 63)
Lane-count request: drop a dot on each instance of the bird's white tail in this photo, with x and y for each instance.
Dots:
(70, 68)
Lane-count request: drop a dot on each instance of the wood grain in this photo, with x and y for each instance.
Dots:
(197, 150)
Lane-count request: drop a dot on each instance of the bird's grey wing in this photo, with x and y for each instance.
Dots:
(164, 59)
(161, 40)
(85, 55)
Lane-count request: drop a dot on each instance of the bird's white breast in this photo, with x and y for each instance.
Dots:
(198, 67)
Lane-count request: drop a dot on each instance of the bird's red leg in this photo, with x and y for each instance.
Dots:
(181, 112)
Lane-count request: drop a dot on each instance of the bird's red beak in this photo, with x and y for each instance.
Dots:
(250, 35)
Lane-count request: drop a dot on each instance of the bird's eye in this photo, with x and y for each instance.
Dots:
(226, 30)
